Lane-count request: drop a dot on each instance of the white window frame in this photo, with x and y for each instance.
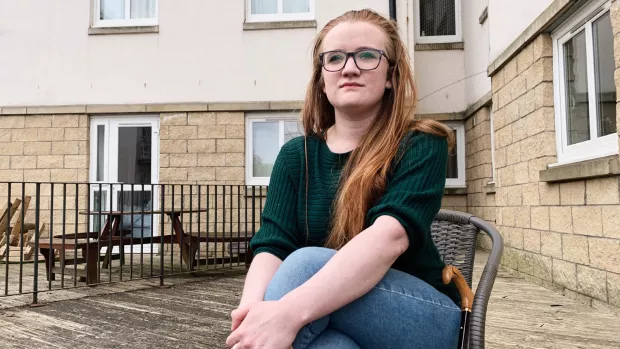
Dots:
(459, 182)
(279, 17)
(250, 120)
(127, 22)
(597, 146)
(458, 37)
(115, 188)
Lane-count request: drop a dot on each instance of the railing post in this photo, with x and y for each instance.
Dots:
(161, 241)
(35, 284)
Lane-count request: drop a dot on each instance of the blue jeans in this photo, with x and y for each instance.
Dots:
(401, 311)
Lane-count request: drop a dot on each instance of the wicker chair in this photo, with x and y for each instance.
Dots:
(454, 234)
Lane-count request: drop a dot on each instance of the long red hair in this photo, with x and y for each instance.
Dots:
(363, 179)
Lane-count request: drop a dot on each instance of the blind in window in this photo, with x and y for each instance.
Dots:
(437, 17)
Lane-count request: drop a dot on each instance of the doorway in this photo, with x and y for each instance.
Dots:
(124, 171)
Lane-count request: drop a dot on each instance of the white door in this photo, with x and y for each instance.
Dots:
(124, 168)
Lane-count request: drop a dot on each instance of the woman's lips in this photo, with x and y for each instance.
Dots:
(350, 85)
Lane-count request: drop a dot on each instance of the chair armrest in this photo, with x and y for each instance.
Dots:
(485, 284)
(451, 273)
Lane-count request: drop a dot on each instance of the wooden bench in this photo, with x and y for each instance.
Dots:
(238, 243)
(90, 249)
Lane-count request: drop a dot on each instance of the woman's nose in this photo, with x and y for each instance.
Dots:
(350, 67)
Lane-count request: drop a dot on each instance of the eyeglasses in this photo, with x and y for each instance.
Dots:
(365, 59)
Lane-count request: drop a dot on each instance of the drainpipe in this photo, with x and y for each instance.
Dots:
(393, 9)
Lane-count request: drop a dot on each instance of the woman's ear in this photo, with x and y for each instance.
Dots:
(388, 81)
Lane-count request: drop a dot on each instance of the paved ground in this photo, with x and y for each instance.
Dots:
(196, 315)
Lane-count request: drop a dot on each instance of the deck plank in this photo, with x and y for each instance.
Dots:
(196, 315)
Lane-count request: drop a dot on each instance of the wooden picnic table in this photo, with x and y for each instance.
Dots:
(115, 217)
(111, 235)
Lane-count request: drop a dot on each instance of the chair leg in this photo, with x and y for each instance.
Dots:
(249, 256)
(91, 252)
(50, 262)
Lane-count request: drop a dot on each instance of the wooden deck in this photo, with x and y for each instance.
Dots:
(196, 315)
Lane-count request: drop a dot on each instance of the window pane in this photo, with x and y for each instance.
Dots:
(265, 145)
(295, 6)
(139, 224)
(112, 9)
(437, 17)
(143, 8)
(453, 162)
(134, 155)
(604, 68)
(291, 130)
(100, 151)
(262, 7)
(576, 84)
(100, 203)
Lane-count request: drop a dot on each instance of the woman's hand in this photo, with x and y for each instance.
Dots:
(267, 325)
(239, 314)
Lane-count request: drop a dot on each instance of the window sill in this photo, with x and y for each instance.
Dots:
(455, 191)
(449, 46)
(602, 167)
(123, 30)
(278, 25)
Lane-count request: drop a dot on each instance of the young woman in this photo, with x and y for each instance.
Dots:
(344, 256)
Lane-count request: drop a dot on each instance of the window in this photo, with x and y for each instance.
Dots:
(116, 13)
(585, 91)
(266, 134)
(455, 177)
(279, 10)
(438, 21)
(124, 167)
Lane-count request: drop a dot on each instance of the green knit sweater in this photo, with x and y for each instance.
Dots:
(413, 196)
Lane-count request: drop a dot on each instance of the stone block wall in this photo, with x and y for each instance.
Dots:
(479, 169)
(206, 151)
(205, 148)
(44, 149)
(478, 159)
(456, 202)
(563, 236)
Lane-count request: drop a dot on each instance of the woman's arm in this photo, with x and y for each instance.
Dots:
(262, 269)
(347, 276)
(401, 218)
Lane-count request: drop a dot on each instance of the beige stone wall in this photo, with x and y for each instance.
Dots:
(480, 202)
(205, 148)
(44, 149)
(479, 169)
(564, 236)
(206, 151)
(457, 202)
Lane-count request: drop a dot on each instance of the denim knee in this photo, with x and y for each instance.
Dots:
(296, 269)
(308, 257)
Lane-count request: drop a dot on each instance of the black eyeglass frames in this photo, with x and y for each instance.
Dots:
(365, 59)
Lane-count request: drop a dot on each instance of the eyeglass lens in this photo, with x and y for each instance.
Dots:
(364, 59)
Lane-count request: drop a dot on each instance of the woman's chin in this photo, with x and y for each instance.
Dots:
(356, 104)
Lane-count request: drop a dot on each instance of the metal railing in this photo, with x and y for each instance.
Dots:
(57, 236)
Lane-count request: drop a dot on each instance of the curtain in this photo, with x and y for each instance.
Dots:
(115, 9)
(112, 9)
(437, 17)
(261, 7)
(296, 6)
(143, 8)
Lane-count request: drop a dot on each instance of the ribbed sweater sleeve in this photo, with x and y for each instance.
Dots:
(278, 233)
(415, 189)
